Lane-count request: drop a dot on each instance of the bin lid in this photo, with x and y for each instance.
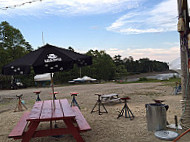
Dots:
(166, 135)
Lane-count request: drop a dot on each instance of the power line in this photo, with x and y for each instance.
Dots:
(18, 5)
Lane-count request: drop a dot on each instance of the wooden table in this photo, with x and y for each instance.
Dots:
(43, 111)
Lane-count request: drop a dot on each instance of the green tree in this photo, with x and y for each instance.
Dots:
(117, 60)
(121, 70)
(12, 42)
(144, 65)
(12, 46)
(103, 66)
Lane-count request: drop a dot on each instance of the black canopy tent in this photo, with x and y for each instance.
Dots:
(47, 59)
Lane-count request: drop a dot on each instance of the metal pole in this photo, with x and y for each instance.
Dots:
(183, 29)
(52, 87)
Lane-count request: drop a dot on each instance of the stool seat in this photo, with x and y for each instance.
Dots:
(19, 96)
(55, 93)
(126, 98)
(98, 94)
(158, 101)
(37, 92)
(74, 93)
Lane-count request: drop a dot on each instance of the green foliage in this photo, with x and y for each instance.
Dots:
(120, 70)
(144, 65)
(143, 79)
(65, 76)
(27, 80)
(12, 45)
(12, 42)
(5, 81)
(103, 66)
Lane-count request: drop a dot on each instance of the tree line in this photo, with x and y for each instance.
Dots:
(104, 67)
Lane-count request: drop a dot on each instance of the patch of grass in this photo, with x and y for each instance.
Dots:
(141, 81)
(171, 82)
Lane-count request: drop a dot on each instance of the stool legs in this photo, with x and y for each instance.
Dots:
(38, 97)
(54, 97)
(74, 102)
(19, 105)
(99, 103)
(127, 111)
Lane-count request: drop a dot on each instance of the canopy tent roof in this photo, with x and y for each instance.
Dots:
(176, 65)
(47, 59)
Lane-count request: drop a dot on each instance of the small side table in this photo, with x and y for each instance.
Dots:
(126, 110)
(74, 101)
(37, 95)
(99, 103)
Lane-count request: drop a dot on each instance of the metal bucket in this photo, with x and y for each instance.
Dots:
(156, 116)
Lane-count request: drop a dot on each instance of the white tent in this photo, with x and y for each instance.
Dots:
(43, 77)
(176, 65)
(86, 78)
(83, 79)
(78, 79)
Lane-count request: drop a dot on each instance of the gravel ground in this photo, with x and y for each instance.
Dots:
(106, 127)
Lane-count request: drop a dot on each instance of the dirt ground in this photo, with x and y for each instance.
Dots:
(106, 127)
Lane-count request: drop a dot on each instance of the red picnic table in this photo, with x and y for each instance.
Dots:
(43, 111)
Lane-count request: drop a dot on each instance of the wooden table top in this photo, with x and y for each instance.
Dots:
(44, 110)
(109, 95)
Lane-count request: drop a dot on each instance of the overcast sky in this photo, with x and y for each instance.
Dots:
(137, 28)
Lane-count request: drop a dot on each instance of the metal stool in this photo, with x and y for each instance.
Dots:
(74, 101)
(54, 95)
(20, 104)
(99, 103)
(37, 95)
(126, 110)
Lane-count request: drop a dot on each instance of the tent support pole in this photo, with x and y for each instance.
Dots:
(52, 87)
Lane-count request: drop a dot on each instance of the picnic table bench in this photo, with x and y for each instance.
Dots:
(18, 130)
(42, 111)
(110, 98)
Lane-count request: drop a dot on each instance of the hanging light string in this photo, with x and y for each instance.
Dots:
(18, 5)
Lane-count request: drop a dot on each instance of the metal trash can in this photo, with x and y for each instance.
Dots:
(156, 116)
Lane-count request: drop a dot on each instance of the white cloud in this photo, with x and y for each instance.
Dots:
(67, 7)
(166, 55)
(161, 18)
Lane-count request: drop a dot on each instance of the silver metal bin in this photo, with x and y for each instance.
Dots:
(156, 116)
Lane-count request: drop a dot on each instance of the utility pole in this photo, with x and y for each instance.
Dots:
(183, 29)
